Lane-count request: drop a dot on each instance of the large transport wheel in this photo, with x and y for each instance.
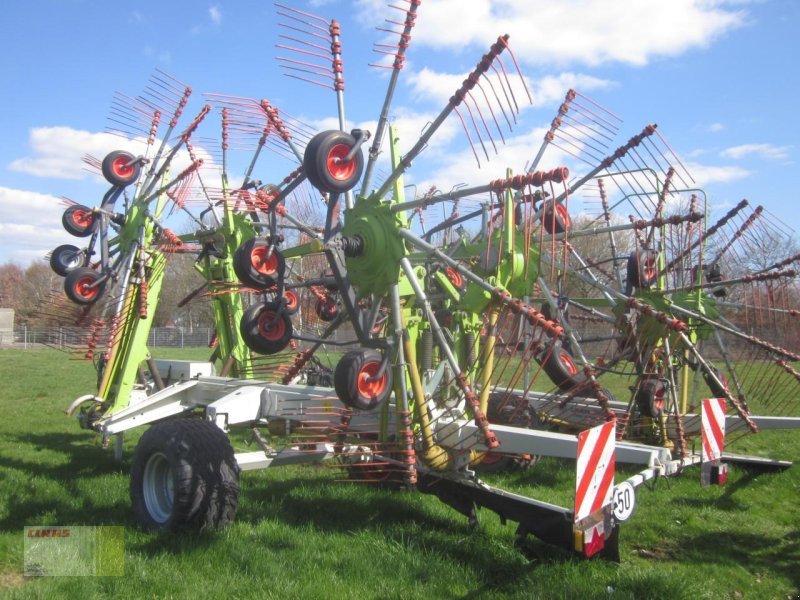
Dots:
(81, 287)
(555, 221)
(324, 166)
(119, 168)
(355, 382)
(642, 269)
(184, 475)
(292, 302)
(79, 220)
(66, 258)
(506, 409)
(560, 367)
(716, 390)
(264, 330)
(256, 266)
(327, 308)
(651, 397)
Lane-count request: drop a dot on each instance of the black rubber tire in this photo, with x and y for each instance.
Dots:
(115, 170)
(79, 220)
(66, 258)
(292, 302)
(267, 273)
(504, 409)
(555, 221)
(716, 390)
(560, 367)
(327, 308)
(76, 286)
(642, 269)
(320, 169)
(261, 332)
(197, 456)
(349, 379)
(650, 398)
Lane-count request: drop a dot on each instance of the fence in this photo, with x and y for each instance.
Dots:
(65, 337)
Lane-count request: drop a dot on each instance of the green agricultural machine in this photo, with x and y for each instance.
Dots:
(514, 328)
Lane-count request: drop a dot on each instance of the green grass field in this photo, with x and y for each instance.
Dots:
(301, 533)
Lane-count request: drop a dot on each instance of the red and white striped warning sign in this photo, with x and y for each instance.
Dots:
(713, 422)
(596, 464)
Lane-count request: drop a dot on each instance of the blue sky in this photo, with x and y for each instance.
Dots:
(718, 76)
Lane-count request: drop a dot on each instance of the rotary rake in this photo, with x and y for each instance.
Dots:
(479, 343)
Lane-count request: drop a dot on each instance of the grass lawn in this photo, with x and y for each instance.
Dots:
(301, 533)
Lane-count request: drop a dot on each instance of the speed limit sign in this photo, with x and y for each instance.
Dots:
(623, 499)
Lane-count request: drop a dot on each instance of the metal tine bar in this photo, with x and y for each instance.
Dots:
(307, 80)
(303, 31)
(129, 102)
(325, 57)
(491, 110)
(469, 138)
(299, 41)
(184, 137)
(128, 118)
(321, 72)
(499, 102)
(739, 232)
(624, 192)
(299, 20)
(662, 200)
(677, 158)
(600, 106)
(575, 123)
(126, 124)
(519, 72)
(152, 104)
(383, 118)
(573, 154)
(301, 12)
(163, 91)
(455, 100)
(640, 167)
(475, 124)
(670, 163)
(512, 102)
(583, 144)
(167, 76)
(595, 118)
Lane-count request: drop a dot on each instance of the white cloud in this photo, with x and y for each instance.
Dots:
(764, 151)
(31, 225)
(57, 152)
(215, 14)
(590, 32)
(715, 127)
(707, 174)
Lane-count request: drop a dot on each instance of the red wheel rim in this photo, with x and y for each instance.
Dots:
(650, 267)
(263, 264)
(269, 328)
(368, 386)
(121, 168)
(82, 218)
(338, 168)
(554, 219)
(291, 300)
(326, 307)
(454, 276)
(566, 360)
(492, 458)
(84, 290)
(658, 399)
